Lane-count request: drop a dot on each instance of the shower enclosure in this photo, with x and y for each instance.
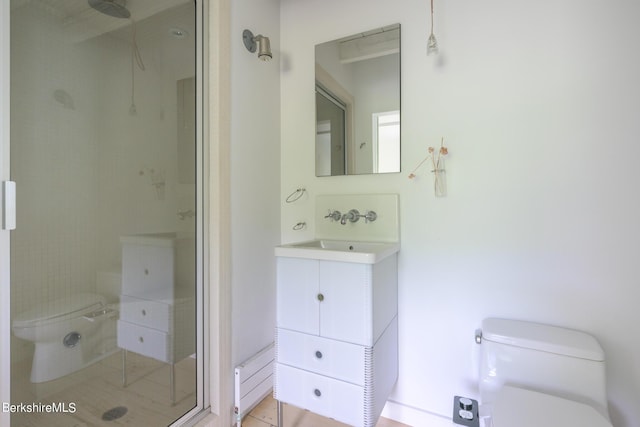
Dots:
(104, 300)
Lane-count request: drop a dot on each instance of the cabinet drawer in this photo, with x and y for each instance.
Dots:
(145, 341)
(147, 268)
(323, 395)
(323, 356)
(153, 314)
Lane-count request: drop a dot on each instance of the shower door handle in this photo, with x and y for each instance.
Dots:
(8, 205)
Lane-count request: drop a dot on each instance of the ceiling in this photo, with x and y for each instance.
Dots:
(81, 22)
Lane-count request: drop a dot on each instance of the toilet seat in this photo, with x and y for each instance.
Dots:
(524, 408)
(59, 310)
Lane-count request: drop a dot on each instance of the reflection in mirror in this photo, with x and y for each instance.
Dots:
(358, 103)
(104, 281)
(330, 133)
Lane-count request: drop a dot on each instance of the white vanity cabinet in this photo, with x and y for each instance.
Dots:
(336, 337)
(157, 308)
(157, 328)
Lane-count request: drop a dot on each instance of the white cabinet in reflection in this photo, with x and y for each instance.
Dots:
(336, 337)
(158, 328)
(157, 304)
(162, 264)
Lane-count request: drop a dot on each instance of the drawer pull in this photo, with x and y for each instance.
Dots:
(320, 297)
(141, 339)
(319, 354)
(317, 392)
(144, 312)
(146, 271)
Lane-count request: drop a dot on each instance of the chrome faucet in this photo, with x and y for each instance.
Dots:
(353, 215)
(333, 215)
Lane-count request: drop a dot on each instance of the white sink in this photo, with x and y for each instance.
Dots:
(339, 250)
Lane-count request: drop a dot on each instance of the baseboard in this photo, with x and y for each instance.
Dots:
(414, 416)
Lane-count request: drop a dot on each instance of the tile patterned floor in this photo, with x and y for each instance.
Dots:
(98, 388)
(264, 415)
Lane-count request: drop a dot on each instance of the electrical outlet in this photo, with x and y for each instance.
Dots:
(465, 411)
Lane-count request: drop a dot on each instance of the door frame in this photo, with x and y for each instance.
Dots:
(217, 128)
(5, 290)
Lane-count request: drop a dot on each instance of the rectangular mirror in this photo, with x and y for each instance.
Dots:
(358, 103)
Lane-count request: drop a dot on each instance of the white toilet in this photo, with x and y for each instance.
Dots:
(534, 375)
(68, 333)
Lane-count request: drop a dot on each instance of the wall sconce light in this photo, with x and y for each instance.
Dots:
(259, 43)
(432, 43)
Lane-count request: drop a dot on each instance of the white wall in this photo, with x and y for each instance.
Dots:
(255, 178)
(539, 104)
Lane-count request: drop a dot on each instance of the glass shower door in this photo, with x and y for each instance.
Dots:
(104, 259)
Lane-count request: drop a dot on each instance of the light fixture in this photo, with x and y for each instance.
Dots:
(432, 43)
(259, 43)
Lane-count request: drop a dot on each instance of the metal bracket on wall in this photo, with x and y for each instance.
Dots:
(8, 205)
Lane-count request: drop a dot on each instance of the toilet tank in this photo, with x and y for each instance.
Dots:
(549, 359)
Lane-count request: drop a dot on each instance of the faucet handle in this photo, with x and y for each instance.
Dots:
(370, 216)
(333, 215)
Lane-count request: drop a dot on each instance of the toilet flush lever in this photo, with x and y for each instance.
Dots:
(91, 317)
(478, 336)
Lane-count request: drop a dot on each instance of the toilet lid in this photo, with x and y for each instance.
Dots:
(59, 309)
(524, 408)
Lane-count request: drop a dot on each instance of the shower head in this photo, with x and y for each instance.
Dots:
(115, 8)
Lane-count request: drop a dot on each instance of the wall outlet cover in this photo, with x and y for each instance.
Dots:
(465, 411)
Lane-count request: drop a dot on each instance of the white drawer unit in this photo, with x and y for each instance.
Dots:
(161, 263)
(320, 394)
(143, 312)
(157, 304)
(337, 337)
(174, 320)
(147, 266)
(146, 341)
(341, 360)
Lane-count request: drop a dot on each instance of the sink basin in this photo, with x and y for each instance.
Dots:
(339, 250)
